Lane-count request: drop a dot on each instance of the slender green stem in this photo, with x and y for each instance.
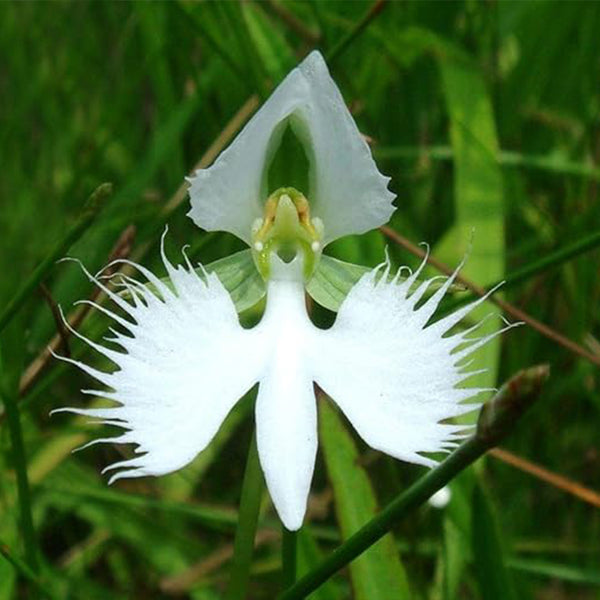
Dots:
(506, 158)
(288, 556)
(91, 209)
(24, 570)
(343, 44)
(9, 399)
(190, 17)
(551, 260)
(377, 527)
(252, 489)
(497, 419)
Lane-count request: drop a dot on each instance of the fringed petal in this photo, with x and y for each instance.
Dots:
(186, 360)
(397, 378)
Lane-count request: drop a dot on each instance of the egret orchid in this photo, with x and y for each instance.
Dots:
(184, 360)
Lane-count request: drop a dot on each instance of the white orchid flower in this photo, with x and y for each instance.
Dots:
(184, 360)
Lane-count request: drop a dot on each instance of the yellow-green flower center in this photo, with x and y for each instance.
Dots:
(287, 229)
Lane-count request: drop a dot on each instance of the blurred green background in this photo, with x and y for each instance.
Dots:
(486, 115)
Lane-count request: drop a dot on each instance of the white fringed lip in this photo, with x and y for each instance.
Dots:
(183, 361)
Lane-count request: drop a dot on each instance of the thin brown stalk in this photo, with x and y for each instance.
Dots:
(293, 22)
(558, 481)
(62, 332)
(120, 250)
(374, 11)
(125, 241)
(235, 124)
(507, 307)
(182, 582)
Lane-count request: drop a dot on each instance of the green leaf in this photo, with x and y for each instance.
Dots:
(493, 576)
(332, 281)
(572, 573)
(378, 573)
(334, 278)
(309, 556)
(238, 275)
(241, 279)
(478, 193)
(276, 54)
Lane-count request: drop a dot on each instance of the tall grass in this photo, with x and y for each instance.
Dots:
(487, 117)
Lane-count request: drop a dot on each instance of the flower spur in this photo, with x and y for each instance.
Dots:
(184, 360)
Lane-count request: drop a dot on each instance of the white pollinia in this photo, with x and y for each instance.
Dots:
(183, 359)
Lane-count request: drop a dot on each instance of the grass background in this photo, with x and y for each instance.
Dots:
(485, 115)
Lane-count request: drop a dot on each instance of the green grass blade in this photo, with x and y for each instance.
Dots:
(378, 574)
(252, 489)
(275, 53)
(253, 66)
(92, 207)
(494, 578)
(551, 570)
(155, 33)
(209, 516)
(189, 15)
(506, 158)
(11, 346)
(26, 571)
(289, 556)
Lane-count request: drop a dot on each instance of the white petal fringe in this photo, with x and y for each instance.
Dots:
(185, 360)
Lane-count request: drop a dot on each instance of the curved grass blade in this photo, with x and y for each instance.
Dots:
(252, 488)
(90, 211)
(494, 579)
(497, 419)
(377, 574)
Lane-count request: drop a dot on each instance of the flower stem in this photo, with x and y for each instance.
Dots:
(8, 397)
(25, 571)
(252, 489)
(373, 11)
(377, 527)
(288, 557)
(497, 419)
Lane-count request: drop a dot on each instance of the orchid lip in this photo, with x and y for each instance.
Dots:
(396, 377)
